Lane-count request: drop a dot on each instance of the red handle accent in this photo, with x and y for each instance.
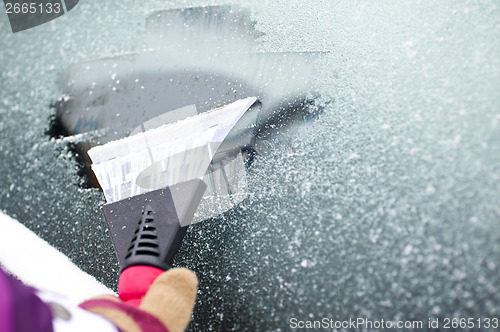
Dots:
(134, 282)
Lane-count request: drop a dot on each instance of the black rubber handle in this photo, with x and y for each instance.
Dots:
(145, 229)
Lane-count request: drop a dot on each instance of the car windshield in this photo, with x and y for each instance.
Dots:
(371, 187)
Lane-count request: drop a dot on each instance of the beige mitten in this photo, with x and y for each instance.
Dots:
(166, 306)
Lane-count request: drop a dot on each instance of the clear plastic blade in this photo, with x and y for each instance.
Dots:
(166, 155)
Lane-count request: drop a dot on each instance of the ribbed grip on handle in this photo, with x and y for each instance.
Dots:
(148, 229)
(144, 245)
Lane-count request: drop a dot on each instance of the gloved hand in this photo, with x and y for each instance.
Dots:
(149, 300)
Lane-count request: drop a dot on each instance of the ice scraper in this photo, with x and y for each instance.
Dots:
(153, 182)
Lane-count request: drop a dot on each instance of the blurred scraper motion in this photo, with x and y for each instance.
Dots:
(191, 61)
